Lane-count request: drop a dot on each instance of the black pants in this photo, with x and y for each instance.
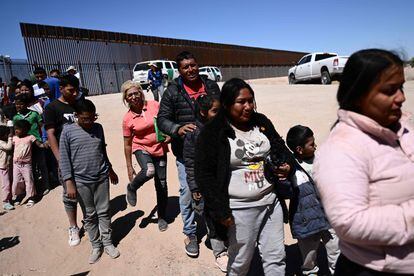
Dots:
(153, 167)
(40, 167)
(346, 267)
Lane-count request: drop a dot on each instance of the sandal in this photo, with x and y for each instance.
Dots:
(30, 203)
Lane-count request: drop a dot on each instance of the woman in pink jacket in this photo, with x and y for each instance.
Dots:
(365, 169)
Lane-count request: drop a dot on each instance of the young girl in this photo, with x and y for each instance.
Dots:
(22, 160)
(35, 120)
(5, 170)
(206, 109)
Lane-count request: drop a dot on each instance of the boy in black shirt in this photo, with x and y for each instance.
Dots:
(59, 112)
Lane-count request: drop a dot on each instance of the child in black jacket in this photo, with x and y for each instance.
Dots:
(206, 108)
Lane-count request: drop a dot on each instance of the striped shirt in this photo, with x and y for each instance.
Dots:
(83, 154)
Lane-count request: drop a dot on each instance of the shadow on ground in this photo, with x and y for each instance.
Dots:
(117, 204)
(123, 225)
(81, 273)
(173, 209)
(8, 242)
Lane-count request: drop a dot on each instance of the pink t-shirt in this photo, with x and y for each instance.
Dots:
(23, 149)
(141, 128)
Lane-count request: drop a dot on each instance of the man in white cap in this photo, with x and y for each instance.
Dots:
(155, 79)
(72, 71)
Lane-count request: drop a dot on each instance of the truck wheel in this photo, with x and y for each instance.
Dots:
(292, 79)
(325, 78)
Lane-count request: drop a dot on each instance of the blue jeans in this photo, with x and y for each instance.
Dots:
(187, 212)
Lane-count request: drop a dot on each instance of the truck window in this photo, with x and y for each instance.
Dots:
(159, 65)
(175, 65)
(141, 67)
(305, 59)
(168, 65)
(208, 70)
(323, 56)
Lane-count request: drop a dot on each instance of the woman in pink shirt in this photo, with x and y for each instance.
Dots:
(365, 169)
(140, 139)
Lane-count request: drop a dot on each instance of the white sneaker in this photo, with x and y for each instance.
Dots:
(221, 261)
(74, 238)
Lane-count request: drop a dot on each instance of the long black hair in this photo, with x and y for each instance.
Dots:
(362, 70)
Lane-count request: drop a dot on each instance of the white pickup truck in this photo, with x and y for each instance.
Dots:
(323, 66)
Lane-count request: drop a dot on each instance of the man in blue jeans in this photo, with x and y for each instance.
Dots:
(175, 118)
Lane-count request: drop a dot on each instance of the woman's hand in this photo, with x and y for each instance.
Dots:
(46, 144)
(113, 177)
(227, 222)
(131, 173)
(70, 189)
(167, 139)
(283, 171)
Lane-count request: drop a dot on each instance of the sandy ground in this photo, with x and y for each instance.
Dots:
(40, 244)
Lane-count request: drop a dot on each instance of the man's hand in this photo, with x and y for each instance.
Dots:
(186, 128)
(70, 189)
(197, 196)
(113, 177)
(131, 173)
(227, 222)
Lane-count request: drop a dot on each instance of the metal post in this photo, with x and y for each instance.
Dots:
(116, 78)
(81, 73)
(98, 68)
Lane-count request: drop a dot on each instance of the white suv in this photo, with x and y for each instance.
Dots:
(168, 68)
(213, 73)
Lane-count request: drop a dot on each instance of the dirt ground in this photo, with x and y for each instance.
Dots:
(40, 247)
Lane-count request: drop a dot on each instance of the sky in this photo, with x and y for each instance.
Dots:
(310, 26)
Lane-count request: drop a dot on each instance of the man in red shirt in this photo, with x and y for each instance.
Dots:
(175, 118)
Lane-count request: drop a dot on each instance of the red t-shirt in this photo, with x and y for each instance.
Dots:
(195, 92)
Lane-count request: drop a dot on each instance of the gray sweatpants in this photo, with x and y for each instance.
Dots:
(263, 226)
(94, 200)
(309, 248)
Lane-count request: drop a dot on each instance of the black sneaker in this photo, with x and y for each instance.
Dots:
(162, 225)
(131, 196)
(191, 246)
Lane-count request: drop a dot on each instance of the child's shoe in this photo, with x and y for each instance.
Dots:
(221, 261)
(7, 206)
(30, 203)
(112, 251)
(45, 192)
(74, 238)
(95, 255)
